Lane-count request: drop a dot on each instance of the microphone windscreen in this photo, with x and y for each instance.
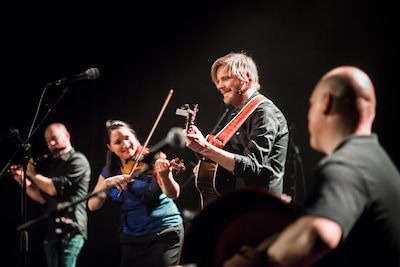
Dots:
(92, 73)
(176, 138)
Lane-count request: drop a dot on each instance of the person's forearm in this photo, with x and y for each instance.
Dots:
(34, 193)
(220, 156)
(44, 183)
(301, 244)
(169, 186)
(98, 199)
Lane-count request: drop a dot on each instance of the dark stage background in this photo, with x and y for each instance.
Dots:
(144, 51)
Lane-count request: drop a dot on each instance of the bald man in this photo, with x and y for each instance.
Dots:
(66, 179)
(352, 218)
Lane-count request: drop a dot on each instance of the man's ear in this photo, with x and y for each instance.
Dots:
(244, 87)
(327, 103)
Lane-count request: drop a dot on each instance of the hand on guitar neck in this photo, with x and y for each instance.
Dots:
(195, 140)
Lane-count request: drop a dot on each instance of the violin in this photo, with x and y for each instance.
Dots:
(37, 159)
(139, 168)
(42, 157)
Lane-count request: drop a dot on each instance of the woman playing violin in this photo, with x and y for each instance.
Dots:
(151, 224)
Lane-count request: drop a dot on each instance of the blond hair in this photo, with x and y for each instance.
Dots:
(240, 65)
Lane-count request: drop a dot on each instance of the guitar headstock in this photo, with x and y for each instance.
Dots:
(189, 111)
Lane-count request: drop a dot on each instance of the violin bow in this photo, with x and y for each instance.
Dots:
(168, 98)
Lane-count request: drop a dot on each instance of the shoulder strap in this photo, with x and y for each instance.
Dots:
(222, 137)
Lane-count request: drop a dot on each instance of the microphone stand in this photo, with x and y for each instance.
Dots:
(220, 120)
(25, 147)
(297, 161)
(24, 237)
(60, 209)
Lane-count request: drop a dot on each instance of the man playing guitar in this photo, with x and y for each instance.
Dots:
(252, 146)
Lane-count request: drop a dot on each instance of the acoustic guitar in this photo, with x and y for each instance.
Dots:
(212, 180)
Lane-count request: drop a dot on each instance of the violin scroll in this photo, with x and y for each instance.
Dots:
(177, 165)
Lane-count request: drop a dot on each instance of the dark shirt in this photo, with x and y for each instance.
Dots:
(71, 175)
(260, 147)
(145, 209)
(359, 188)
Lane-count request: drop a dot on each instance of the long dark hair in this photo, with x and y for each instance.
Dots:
(113, 162)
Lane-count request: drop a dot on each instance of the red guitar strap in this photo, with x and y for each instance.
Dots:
(223, 136)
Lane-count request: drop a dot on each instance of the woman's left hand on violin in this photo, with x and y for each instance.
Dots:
(195, 140)
(164, 166)
(178, 165)
(164, 174)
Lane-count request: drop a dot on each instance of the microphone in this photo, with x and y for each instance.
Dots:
(218, 124)
(90, 74)
(174, 139)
